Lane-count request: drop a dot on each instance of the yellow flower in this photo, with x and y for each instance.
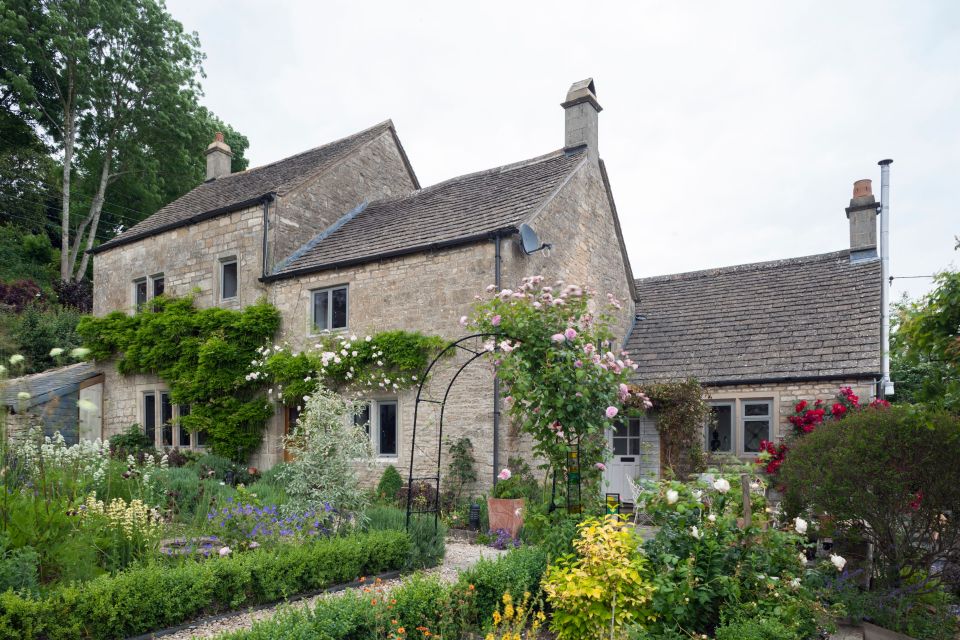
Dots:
(490, 636)
(508, 612)
(496, 617)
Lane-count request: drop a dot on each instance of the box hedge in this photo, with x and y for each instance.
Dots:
(157, 596)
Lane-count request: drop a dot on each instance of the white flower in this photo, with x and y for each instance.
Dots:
(80, 352)
(224, 552)
(55, 352)
(368, 338)
(697, 494)
(672, 496)
(802, 557)
(838, 561)
(800, 525)
(722, 485)
(695, 533)
(795, 583)
(712, 517)
(16, 359)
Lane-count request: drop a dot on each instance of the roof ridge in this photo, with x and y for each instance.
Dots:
(749, 266)
(499, 169)
(385, 125)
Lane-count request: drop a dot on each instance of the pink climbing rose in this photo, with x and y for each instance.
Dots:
(570, 333)
(558, 337)
(495, 320)
(505, 474)
(612, 412)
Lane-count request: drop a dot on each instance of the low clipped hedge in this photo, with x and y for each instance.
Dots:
(157, 596)
(419, 602)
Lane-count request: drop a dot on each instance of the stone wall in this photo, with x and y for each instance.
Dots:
(189, 259)
(374, 171)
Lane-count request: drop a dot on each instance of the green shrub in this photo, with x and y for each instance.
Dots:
(552, 532)
(131, 442)
(156, 596)
(39, 329)
(18, 568)
(517, 572)
(389, 485)
(756, 629)
(222, 468)
(428, 544)
(886, 476)
(180, 488)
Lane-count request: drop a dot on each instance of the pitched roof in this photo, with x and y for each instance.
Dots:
(459, 210)
(246, 188)
(46, 385)
(811, 317)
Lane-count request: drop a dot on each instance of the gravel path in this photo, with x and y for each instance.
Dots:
(459, 556)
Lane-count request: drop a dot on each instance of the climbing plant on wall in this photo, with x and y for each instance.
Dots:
(384, 362)
(681, 410)
(204, 355)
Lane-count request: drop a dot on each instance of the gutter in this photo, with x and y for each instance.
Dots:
(782, 379)
(478, 237)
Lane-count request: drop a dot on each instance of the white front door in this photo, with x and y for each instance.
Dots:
(635, 453)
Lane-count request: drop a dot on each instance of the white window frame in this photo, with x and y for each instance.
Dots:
(176, 429)
(738, 420)
(223, 262)
(373, 426)
(328, 291)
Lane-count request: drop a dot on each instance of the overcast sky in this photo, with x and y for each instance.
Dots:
(732, 131)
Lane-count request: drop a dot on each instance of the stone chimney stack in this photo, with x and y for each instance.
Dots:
(218, 158)
(580, 117)
(862, 214)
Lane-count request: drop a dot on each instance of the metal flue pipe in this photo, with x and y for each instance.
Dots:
(886, 384)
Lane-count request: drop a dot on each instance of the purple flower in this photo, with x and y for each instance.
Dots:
(495, 320)
(570, 333)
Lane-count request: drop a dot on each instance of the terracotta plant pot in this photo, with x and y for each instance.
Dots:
(506, 513)
(873, 632)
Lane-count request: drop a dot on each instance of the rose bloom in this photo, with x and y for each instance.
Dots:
(672, 496)
(570, 333)
(558, 337)
(800, 525)
(612, 412)
(722, 485)
(838, 561)
(601, 466)
(495, 321)
(505, 474)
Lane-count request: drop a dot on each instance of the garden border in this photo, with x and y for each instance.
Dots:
(353, 584)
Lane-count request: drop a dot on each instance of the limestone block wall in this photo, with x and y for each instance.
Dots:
(373, 172)
(189, 259)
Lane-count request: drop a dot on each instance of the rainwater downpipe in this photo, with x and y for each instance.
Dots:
(886, 384)
(496, 379)
(267, 199)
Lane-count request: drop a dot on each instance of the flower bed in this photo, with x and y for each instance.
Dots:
(156, 596)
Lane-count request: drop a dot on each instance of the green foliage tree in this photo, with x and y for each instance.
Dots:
(113, 86)
(925, 346)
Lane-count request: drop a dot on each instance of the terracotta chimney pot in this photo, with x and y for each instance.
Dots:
(862, 188)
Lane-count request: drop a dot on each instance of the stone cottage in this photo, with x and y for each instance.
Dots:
(761, 337)
(344, 238)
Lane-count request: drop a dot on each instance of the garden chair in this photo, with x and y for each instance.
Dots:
(635, 491)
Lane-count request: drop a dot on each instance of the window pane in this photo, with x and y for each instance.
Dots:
(150, 416)
(619, 446)
(184, 433)
(388, 428)
(339, 313)
(157, 287)
(634, 446)
(320, 306)
(756, 409)
(228, 282)
(720, 432)
(634, 428)
(753, 432)
(166, 417)
(201, 438)
(141, 293)
(362, 418)
(619, 430)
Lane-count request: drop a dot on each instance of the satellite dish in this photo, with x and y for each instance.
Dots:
(529, 240)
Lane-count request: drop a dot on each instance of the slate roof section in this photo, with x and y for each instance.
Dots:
(47, 385)
(246, 188)
(460, 210)
(816, 317)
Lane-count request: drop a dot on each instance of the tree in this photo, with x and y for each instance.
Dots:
(925, 346)
(113, 86)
